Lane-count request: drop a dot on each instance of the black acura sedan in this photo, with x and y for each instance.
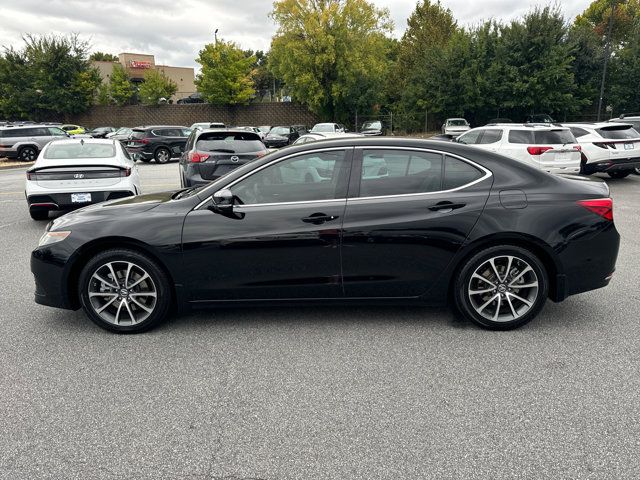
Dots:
(354, 220)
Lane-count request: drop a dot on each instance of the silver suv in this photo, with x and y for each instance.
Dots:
(25, 142)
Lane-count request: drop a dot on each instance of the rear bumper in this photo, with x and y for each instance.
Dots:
(62, 201)
(8, 153)
(617, 165)
(276, 143)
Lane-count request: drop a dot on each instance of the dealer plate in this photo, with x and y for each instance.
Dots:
(628, 146)
(80, 197)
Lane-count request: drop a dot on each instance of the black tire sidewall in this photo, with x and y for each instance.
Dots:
(158, 150)
(23, 149)
(159, 277)
(619, 174)
(463, 305)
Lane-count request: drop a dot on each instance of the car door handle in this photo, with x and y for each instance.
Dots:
(446, 207)
(319, 218)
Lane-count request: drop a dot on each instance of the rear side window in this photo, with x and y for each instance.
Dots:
(490, 136)
(399, 172)
(10, 132)
(239, 142)
(458, 173)
(621, 132)
(520, 136)
(470, 138)
(80, 150)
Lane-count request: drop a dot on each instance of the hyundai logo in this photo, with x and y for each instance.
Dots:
(235, 159)
(78, 175)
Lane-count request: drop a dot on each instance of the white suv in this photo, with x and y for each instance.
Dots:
(613, 148)
(547, 147)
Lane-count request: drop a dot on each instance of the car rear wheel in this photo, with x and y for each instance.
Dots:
(619, 174)
(162, 155)
(39, 214)
(28, 154)
(501, 288)
(124, 291)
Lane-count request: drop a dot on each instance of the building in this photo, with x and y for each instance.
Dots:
(136, 64)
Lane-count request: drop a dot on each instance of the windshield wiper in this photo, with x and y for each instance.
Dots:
(186, 191)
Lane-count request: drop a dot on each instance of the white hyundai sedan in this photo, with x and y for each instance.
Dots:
(73, 173)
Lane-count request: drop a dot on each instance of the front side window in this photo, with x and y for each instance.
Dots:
(313, 176)
(399, 172)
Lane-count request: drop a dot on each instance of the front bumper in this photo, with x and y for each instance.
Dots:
(49, 268)
(276, 143)
(62, 201)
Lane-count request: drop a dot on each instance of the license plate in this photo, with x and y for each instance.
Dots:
(80, 197)
(628, 146)
(562, 157)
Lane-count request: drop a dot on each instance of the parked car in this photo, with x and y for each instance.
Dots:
(613, 148)
(301, 129)
(372, 128)
(328, 128)
(442, 137)
(123, 133)
(634, 120)
(255, 130)
(455, 126)
(207, 125)
(193, 98)
(281, 137)
(539, 118)
(210, 154)
(73, 129)
(447, 221)
(26, 142)
(74, 173)
(101, 132)
(160, 142)
(265, 129)
(312, 137)
(549, 148)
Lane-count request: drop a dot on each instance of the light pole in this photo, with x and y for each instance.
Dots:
(607, 53)
(215, 36)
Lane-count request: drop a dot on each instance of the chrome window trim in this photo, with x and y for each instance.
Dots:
(286, 157)
(305, 202)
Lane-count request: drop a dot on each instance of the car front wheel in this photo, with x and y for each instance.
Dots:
(501, 288)
(162, 155)
(124, 291)
(28, 154)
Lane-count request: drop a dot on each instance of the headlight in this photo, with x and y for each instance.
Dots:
(53, 237)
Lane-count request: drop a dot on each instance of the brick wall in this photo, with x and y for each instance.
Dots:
(254, 114)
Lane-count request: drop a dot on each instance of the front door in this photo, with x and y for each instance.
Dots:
(282, 239)
(408, 213)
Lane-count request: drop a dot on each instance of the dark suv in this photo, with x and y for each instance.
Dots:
(160, 142)
(282, 136)
(210, 154)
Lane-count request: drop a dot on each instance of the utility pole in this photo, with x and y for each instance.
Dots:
(607, 53)
(215, 36)
(426, 121)
(356, 125)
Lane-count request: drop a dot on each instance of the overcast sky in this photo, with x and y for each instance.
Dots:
(175, 30)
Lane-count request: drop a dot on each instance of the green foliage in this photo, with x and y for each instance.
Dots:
(225, 78)
(51, 76)
(103, 57)
(120, 89)
(332, 55)
(156, 86)
(596, 17)
(623, 93)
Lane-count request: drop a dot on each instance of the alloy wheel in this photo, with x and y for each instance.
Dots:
(163, 155)
(503, 288)
(122, 293)
(28, 154)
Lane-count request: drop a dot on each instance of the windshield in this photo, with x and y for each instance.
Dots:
(264, 129)
(323, 127)
(457, 122)
(621, 132)
(80, 150)
(371, 125)
(279, 131)
(230, 143)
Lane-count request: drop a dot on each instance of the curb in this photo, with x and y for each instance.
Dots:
(20, 165)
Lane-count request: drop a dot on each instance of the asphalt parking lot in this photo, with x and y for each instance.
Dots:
(322, 393)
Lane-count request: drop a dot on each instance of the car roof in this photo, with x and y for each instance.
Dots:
(525, 126)
(226, 130)
(595, 124)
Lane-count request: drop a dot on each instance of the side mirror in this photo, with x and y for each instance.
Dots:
(223, 200)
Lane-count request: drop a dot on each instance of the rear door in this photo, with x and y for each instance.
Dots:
(408, 213)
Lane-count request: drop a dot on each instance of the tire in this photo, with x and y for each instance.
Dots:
(622, 174)
(139, 302)
(39, 214)
(162, 155)
(514, 306)
(636, 170)
(28, 154)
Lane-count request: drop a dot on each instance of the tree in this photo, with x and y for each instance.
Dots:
(597, 14)
(225, 78)
(120, 89)
(51, 76)
(156, 86)
(331, 54)
(103, 57)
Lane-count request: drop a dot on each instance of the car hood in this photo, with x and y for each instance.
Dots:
(122, 207)
(276, 137)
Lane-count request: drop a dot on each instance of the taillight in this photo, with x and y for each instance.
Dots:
(577, 147)
(197, 157)
(538, 150)
(31, 176)
(600, 206)
(126, 172)
(145, 141)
